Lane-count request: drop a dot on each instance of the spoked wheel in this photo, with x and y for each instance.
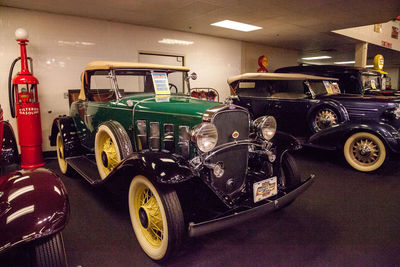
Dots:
(62, 163)
(49, 252)
(112, 144)
(364, 151)
(156, 217)
(324, 118)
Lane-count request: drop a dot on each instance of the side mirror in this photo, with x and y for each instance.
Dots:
(193, 76)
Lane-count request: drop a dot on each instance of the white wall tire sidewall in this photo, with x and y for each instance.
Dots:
(103, 129)
(355, 164)
(62, 164)
(152, 252)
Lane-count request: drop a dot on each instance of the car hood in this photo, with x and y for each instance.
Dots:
(364, 98)
(173, 104)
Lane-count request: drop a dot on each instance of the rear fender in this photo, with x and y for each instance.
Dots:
(337, 135)
(66, 126)
(160, 167)
(33, 204)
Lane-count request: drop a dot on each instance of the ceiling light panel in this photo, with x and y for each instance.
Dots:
(315, 58)
(344, 62)
(234, 25)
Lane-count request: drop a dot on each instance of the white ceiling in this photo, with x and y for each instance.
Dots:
(305, 25)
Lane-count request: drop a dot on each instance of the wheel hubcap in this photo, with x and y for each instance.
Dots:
(104, 159)
(149, 216)
(324, 119)
(365, 151)
(108, 154)
(60, 152)
(144, 219)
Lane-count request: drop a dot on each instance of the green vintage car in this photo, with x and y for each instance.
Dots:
(186, 166)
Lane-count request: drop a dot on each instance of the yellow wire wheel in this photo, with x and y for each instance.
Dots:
(60, 154)
(364, 151)
(156, 218)
(106, 151)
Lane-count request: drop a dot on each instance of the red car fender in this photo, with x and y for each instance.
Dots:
(33, 204)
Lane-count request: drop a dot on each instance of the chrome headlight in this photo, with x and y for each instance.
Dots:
(266, 126)
(205, 135)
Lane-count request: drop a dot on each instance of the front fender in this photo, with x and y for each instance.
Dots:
(33, 204)
(285, 142)
(335, 136)
(160, 167)
(66, 126)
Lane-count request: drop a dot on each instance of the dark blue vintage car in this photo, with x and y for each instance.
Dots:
(365, 128)
(352, 80)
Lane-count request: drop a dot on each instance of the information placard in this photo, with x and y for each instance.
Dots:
(160, 82)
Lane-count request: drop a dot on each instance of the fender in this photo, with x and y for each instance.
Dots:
(33, 204)
(334, 105)
(161, 167)
(66, 126)
(285, 142)
(8, 149)
(335, 136)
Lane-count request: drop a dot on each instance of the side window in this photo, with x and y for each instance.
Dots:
(254, 88)
(101, 89)
(290, 89)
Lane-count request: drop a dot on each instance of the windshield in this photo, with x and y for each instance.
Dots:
(135, 81)
(323, 87)
(371, 81)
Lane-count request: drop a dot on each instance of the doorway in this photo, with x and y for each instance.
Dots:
(170, 60)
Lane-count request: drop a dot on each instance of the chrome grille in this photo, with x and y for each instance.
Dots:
(235, 158)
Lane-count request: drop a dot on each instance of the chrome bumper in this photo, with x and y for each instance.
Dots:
(198, 229)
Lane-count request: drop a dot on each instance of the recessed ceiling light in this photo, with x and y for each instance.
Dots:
(344, 62)
(369, 66)
(234, 25)
(314, 58)
(174, 41)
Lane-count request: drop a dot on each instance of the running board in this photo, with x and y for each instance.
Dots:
(85, 167)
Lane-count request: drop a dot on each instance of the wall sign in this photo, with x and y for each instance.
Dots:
(386, 44)
(395, 32)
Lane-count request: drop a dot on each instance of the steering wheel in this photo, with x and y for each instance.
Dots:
(173, 87)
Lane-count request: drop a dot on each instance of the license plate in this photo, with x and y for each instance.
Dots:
(265, 189)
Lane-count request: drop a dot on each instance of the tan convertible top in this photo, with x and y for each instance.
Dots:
(276, 76)
(106, 65)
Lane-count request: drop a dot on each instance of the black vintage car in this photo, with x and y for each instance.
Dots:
(365, 128)
(352, 80)
(185, 166)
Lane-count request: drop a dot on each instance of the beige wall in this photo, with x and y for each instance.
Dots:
(394, 73)
(62, 45)
(277, 57)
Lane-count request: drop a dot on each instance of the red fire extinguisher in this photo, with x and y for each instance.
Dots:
(24, 105)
